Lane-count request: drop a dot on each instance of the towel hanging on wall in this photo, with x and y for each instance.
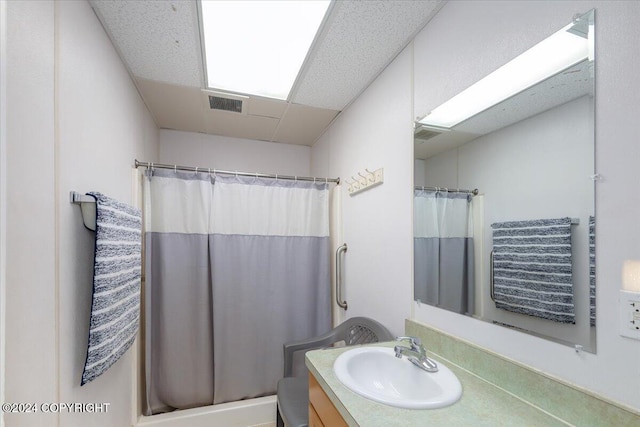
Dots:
(532, 268)
(592, 270)
(115, 307)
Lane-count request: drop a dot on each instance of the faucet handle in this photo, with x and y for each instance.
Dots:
(415, 341)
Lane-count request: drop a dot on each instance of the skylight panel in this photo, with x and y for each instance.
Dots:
(258, 47)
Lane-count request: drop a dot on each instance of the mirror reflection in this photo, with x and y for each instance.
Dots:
(504, 199)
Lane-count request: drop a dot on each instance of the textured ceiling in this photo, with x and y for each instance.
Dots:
(568, 85)
(358, 42)
(159, 42)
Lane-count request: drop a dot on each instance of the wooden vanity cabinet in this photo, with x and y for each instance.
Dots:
(322, 412)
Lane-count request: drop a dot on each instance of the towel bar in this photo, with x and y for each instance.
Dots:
(491, 283)
(87, 206)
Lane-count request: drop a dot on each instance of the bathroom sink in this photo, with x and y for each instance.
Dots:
(375, 373)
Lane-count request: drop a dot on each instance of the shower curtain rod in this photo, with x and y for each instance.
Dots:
(447, 190)
(224, 172)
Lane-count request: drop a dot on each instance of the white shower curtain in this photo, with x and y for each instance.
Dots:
(443, 250)
(235, 267)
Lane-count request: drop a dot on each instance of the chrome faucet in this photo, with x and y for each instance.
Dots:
(416, 354)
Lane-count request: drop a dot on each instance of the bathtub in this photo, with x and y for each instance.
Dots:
(252, 412)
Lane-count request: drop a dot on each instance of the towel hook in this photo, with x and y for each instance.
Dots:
(372, 177)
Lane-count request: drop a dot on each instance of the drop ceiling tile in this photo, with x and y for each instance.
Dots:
(439, 144)
(266, 107)
(158, 39)
(303, 125)
(172, 106)
(240, 126)
(359, 40)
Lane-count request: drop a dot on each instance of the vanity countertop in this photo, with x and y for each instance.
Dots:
(481, 404)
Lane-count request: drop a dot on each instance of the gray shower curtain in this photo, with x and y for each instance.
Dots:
(443, 250)
(235, 267)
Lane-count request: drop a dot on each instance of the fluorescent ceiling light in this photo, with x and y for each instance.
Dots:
(258, 47)
(554, 54)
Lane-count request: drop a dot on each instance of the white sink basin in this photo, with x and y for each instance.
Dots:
(375, 373)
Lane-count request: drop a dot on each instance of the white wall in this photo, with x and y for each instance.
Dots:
(487, 34)
(226, 153)
(76, 122)
(31, 323)
(376, 132)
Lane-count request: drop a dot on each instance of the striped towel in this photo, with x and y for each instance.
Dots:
(115, 309)
(532, 268)
(592, 270)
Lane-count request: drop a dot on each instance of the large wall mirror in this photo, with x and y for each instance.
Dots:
(520, 251)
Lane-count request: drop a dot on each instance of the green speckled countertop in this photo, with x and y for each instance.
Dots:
(481, 404)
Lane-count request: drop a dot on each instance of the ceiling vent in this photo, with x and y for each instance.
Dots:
(226, 102)
(425, 134)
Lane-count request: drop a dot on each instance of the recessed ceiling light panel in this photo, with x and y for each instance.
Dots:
(549, 57)
(258, 47)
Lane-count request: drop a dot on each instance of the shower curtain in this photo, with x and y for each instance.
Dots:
(235, 267)
(443, 250)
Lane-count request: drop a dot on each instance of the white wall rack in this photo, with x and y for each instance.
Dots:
(365, 181)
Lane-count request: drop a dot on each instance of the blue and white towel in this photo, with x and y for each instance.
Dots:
(115, 309)
(592, 270)
(532, 268)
